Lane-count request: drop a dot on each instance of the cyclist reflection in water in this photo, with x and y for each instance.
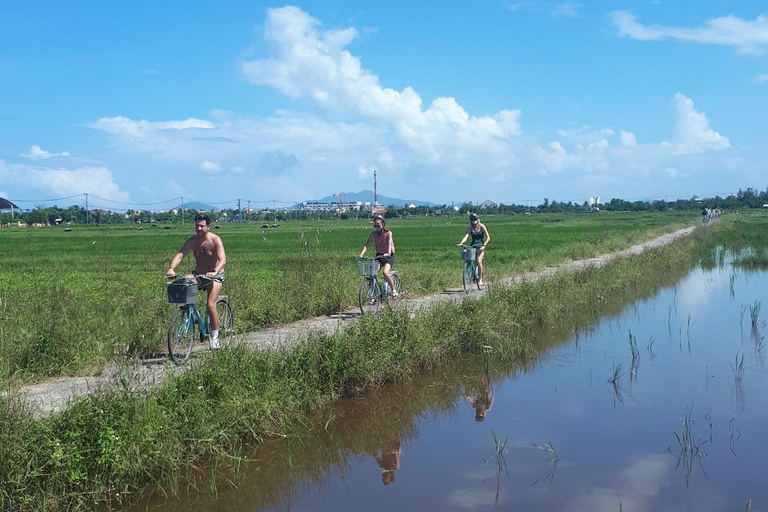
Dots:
(389, 462)
(210, 261)
(482, 401)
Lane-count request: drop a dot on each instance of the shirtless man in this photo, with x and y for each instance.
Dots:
(210, 262)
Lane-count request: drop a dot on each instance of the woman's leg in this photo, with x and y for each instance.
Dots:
(387, 277)
(480, 257)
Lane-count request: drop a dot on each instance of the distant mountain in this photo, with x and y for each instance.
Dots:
(196, 205)
(366, 196)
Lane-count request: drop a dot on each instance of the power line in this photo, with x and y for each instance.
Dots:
(44, 200)
(135, 204)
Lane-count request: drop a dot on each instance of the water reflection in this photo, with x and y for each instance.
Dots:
(474, 434)
(480, 397)
(389, 461)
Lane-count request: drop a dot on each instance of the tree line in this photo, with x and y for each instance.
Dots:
(53, 215)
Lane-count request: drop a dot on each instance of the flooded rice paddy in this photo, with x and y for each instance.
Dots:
(661, 406)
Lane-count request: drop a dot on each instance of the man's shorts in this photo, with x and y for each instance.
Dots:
(205, 281)
(382, 260)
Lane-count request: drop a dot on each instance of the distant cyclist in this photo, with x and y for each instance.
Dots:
(480, 239)
(385, 250)
(210, 261)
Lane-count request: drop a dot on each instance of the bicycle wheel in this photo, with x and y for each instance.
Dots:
(226, 322)
(398, 286)
(466, 276)
(369, 297)
(477, 277)
(181, 335)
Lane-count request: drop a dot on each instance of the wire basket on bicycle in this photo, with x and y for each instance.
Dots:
(468, 253)
(368, 267)
(181, 291)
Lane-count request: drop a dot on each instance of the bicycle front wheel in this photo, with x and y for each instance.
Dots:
(369, 297)
(466, 276)
(226, 323)
(181, 335)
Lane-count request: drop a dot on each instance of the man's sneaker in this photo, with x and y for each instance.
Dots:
(215, 342)
(395, 295)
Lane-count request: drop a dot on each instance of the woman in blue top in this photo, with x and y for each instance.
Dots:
(480, 239)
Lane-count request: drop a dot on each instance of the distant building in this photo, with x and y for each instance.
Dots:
(487, 204)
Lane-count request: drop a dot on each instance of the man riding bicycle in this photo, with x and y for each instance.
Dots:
(385, 250)
(210, 261)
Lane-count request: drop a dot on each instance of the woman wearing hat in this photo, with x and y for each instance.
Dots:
(480, 239)
(385, 250)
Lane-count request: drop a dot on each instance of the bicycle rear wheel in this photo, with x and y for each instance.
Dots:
(369, 297)
(398, 286)
(226, 322)
(181, 335)
(477, 277)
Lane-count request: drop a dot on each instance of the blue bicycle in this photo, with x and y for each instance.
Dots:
(372, 291)
(181, 331)
(471, 273)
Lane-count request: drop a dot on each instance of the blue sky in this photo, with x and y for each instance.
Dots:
(143, 102)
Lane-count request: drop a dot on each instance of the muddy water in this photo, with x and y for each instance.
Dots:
(675, 431)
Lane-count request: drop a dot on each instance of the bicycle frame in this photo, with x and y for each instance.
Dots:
(471, 271)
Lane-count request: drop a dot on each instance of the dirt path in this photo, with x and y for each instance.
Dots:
(52, 396)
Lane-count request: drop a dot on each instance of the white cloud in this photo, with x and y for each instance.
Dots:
(567, 9)
(209, 167)
(692, 129)
(37, 153)
(64, 182)
(628, 138)
(307, 62)
(747, 36)
(761, 79)
(359, 125)
(139, 129)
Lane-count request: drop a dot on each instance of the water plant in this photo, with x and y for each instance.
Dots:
(754, 313)
(651, 342)
(554, 460)
(734, 435)
(690, 447)
(633, 348)
(615, 381)
(501, 463)
(738, 366)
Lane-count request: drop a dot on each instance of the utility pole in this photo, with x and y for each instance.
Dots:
(375, 190)
(239, 211)
(182, 210)
(86, 209)
(249, 208)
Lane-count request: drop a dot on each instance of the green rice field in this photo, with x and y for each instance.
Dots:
(70, 301)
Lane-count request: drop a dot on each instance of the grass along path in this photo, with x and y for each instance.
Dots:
(53, 396)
